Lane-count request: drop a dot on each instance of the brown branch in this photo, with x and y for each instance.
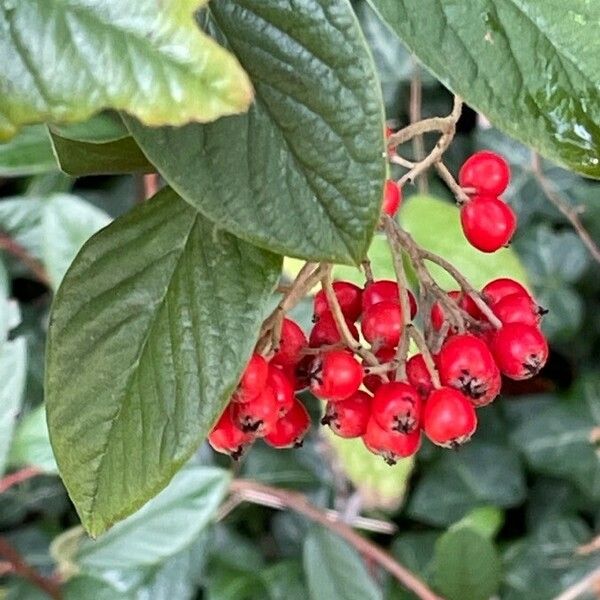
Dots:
(150, 185)
(368, 271)
(570, 212)
(17, 477)
(460, 194)
(415, 116)
(419, 340)
(589, 582)
(22, 568)
(590, 547)
(300, 504)
(20, 252)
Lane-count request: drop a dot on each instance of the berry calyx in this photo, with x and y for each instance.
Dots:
(392, 198)
(257, 416)
(289, 431)
(397, 407)
(349, 297)
(335, 376)
(485, 171)
(385, 290)
(227, 438)
(520, 350)
(497, 289)
(390, 445)
(382, 324)
(519, 308)
(418, 375)
(349, 418)
(253, 379)
(449, 419)
(292, 342)
(282, 387)
(325, 331)
(488, 223)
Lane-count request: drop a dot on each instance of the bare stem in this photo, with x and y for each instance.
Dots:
(589, 582)
(460, 194)
(415, 116)
(417, 336)
(18, 477)
(13, 247)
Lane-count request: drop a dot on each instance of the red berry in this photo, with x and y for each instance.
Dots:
(349, 297)
(226, 437)
(519, 308)
(253, 379)
(520, 350)
(390, 445)
(488, 223)
(485, 171)
(392, 198)
(291, 344)
(258, 415)
(325, 331)
(335, 376)
(382, 324)
(464, 301)
(397, 407)
(466, 364)
(289, 431)
(449, 419)
(418, 375)
(349, 418)
(386, 290)
(283, 388)
(495, 290)
(384, 355)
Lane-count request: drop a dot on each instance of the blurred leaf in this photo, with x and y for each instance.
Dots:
(102, 127)
(13, 366)
(485, 520)
(50, 183)
(380, 485)
(187, 76)
(20, 217)
(477, 474)
(546, 97)
(28, 153)
(550, 499)
(309, 153)
(435, 224)
(334, 570)
(85, 586)
(415, 550)
(31, 445)
(285, 581)
(229, 583)
(466, 565)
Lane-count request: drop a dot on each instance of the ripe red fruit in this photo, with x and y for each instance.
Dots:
(386, 290)
(464, 301)
(519, 308)
(291, 344)
(253, 379)
(226, 437)
(283, 388)
(392, 198)
(384, 355)
(325, 331)
(382, 324)
(466, 364)
(349, 297)
(418, 375)
(485, 171)
(289, 431)
(449, 419)
(391, 446)
(349, 418)
(335, 375)
(497, 289)
(520, 350)
(488, 223)
(257, 416)
(397, 407)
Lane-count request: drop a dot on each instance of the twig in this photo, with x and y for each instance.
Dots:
(300, 504)
(582, 586)
(17, 477)
(419, 340)
(368, 271)
(150, 183)
(415, 115)
(461, 195)
(35, 266)
(20, 567)
(590, 547)
(570, 212)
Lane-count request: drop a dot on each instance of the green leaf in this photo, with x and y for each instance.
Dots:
(153, 64)
(31, 444)
(435, 224)
(285, 581)
(478, 474)
(414, 550)
(28, 153)
(13, 367)
(86, 586)
(466, 565)
(302, 172)
(379, 485)
(101, 128)
(149, 333)
(485, 520)
(530, 67)
(334, 570)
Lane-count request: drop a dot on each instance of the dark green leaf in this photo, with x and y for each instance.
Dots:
(530, 67)
(478, 474)
(415, 550)
(101, 128)
(302, 172)
(28, 153)
(149, 333)
(334, 570)
(124, 55)
(285, 581)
